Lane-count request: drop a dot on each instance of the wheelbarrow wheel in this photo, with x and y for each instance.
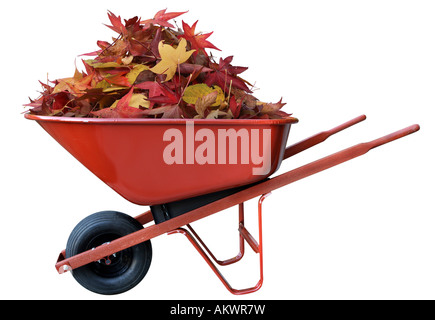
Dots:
(118, 272)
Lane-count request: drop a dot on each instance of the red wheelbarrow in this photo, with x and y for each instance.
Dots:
(185, 170)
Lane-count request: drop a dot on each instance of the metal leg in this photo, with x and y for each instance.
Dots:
(196, 241)
(241, 253)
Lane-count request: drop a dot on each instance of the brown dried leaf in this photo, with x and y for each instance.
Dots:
(204, 102)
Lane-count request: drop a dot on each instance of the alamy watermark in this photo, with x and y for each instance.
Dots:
(228, 146)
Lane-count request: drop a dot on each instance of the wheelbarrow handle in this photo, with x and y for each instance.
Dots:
(332, 160)
(393, 136)
(319, 137)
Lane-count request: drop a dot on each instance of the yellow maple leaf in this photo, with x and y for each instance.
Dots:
(196, 91)
(171, 58)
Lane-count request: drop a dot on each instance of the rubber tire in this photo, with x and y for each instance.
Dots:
(130, 265)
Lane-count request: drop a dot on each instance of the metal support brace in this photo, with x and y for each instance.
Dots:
(244, 235)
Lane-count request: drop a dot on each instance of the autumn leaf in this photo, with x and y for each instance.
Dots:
(204, 102)
(102, 44)
(171, 58)
(235, 107)
(118, 80)
(96, 64)
(106, 113)
(75, 85)
(60, 100)
(116, 50)
(117, 24)
(168, 112)
(216, 114)
(189, 68)
(225, 75)
(270, 108)
(127, 107)
(50, 104)
(198, 41)
(133, 26)
(154, 88)
(168, 96)
(161, 18)
(133, 74)
(173, 112)
(128, 60)
(154, 45)
(136, 100)
(273, 110)
(196, 91)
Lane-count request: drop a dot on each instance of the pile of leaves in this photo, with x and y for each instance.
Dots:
(153, 70)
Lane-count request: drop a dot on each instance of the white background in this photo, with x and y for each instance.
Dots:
(361, 230)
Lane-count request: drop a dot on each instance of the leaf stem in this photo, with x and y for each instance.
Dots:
(182, 94)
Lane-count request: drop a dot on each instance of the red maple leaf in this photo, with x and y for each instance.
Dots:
(161, 18)
(133, 25)
(122, 109)
(102, 44)
(117, 24)
(225, 75)
(168, 97)
(118, 80)
(197, 41)
(154, 88)
(235, 107)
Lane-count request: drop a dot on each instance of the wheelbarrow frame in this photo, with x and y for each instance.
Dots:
(262, 190)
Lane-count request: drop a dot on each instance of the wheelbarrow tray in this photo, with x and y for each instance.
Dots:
(133, 158)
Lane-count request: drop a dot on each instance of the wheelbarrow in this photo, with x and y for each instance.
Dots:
(185, 170)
